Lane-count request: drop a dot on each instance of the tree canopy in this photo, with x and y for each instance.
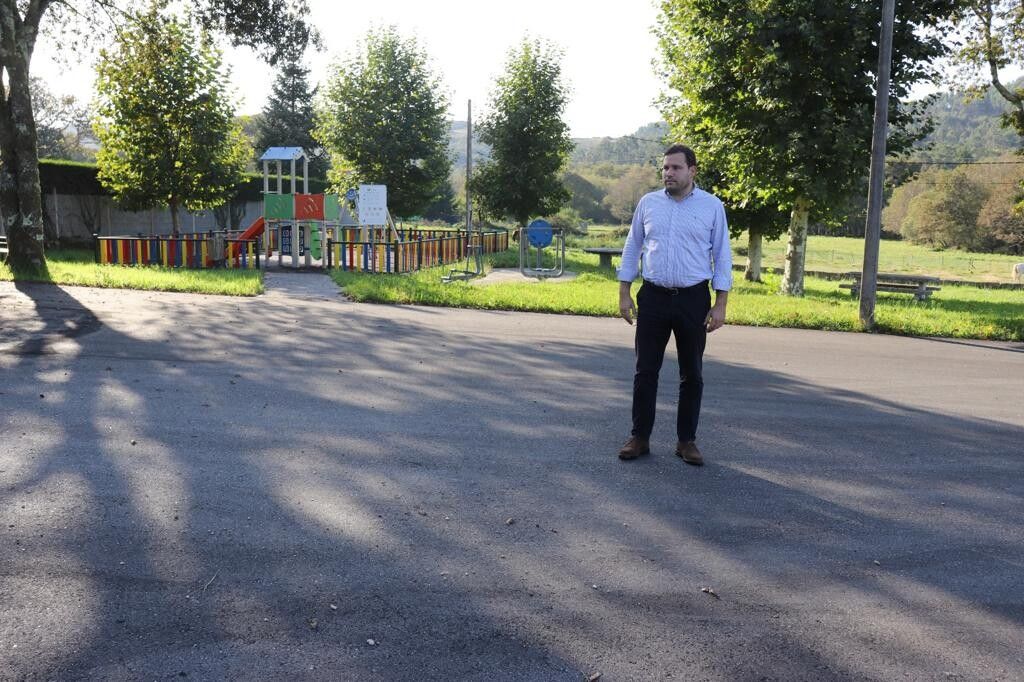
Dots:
(529, 141)
(164, 119)
(275, 25)
(287, 117)
(993, 39)
(383, 118)
(778, 96)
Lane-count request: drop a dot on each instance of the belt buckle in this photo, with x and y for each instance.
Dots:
(672, 291)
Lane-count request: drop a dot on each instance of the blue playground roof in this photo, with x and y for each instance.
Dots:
(283, 154)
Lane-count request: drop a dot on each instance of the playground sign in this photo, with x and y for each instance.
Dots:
(373, 205)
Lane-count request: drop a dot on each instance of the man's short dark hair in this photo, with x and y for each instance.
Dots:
(691, 158)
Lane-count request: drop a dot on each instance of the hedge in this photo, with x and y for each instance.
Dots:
(73, 177)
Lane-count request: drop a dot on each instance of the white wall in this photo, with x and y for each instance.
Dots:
(68, 216)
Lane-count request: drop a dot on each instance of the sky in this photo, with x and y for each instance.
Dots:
(607, 64)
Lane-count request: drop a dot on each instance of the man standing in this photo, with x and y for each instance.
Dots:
(681, 237)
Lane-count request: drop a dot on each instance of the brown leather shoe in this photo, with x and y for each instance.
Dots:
(634, 447)
(689, 452)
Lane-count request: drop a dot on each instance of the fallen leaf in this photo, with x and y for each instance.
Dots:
(509, 521)
(708, 590)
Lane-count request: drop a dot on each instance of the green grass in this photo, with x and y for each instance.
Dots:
(843, 254)
(76, 267)
(846, 254)
(960, 312)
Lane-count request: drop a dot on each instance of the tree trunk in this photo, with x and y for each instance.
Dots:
(796, 249)
(753, 271)
(175, 226)
(20, 194)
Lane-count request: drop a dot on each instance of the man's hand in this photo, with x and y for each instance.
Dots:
(627, 309)
(715, 318)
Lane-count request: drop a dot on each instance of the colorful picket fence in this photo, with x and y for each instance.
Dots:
(192, 251)
(415, 249)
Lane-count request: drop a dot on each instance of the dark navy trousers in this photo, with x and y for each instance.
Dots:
(660, 313)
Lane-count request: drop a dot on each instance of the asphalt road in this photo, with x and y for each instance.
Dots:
(296, 486)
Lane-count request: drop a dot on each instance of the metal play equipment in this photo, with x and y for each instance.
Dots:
(299, 223)
(539, 234)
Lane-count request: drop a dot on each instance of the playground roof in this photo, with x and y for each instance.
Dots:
(283, 154)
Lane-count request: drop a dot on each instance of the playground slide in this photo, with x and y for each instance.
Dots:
(251, 232)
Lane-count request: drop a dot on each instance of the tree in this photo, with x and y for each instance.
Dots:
(256, 23)
(778, 96)
(287, 117)
(946, 216)
(383, 119)
(61, 123)
(993, 33)
(529, 141)
(164, 119)
(625, 193)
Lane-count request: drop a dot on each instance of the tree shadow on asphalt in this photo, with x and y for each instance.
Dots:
(454, 497)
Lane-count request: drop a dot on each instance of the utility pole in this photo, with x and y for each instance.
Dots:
(873, 227)
(469, 165)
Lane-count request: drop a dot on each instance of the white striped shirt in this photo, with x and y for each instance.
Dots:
(681, 242)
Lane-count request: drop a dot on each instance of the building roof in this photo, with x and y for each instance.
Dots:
(283, 154)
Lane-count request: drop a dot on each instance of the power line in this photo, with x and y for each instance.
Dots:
(954, 163)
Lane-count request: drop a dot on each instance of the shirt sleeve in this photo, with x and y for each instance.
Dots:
(631, 250)
(721, 252)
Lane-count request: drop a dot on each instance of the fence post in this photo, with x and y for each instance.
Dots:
(96, 247)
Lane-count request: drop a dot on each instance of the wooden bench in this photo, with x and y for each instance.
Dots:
(604, 254)
(3, 247)
(920, 286)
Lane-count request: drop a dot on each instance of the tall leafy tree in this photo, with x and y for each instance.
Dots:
(383, 118)
(164, 119)
(778, 95)
(993, 32)
(529, 141)
(287, 117)
(275, 24)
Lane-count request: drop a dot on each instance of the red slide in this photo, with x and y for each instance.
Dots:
(251, 232)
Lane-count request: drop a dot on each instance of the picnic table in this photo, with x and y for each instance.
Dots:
(604, 254)
(921, 286)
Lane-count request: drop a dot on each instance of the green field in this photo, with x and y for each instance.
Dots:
(76, 267)
(846, 254)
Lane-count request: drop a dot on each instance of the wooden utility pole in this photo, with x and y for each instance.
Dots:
(873, 227)
(469, 165)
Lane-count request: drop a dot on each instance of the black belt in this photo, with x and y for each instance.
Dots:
(672, 291)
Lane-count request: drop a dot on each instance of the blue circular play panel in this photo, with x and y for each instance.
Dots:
(539, 234)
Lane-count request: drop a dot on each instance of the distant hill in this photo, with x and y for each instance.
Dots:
(967, 131)
(964, 131)
(641, 147)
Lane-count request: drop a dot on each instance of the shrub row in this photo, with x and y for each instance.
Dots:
(75, 178)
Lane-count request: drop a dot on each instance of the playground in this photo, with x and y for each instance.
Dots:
(329, 500)
(308, 231)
